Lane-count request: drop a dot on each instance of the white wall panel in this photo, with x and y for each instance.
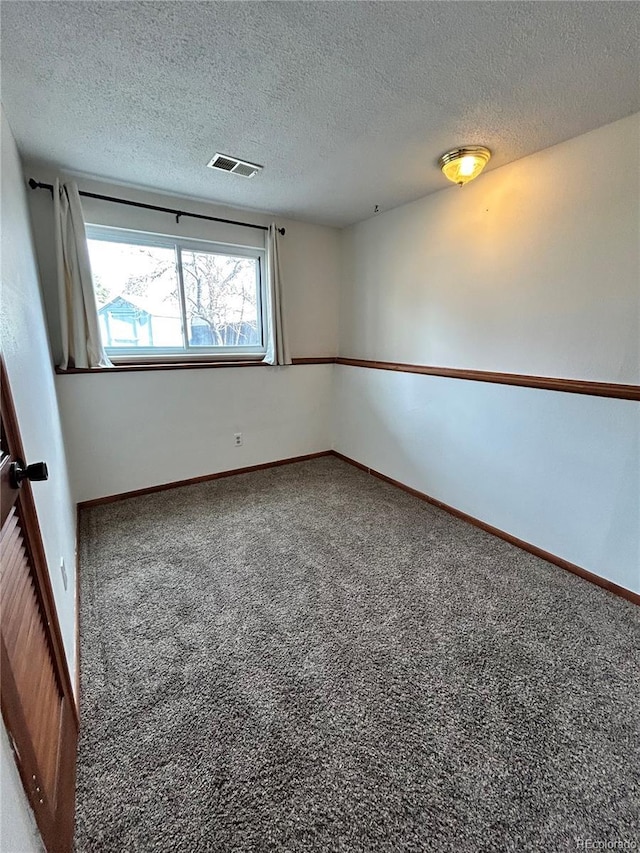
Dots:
(560, 471)
(128, 431)
(25, 349)
(532, 268)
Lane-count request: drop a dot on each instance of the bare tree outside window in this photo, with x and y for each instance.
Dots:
(168, 296)
(220, 291)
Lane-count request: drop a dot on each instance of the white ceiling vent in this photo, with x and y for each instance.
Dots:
(224, 163)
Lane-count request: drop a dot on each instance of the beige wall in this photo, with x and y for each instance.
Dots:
(26, 352)
(180, 424)
(532, 268)
(25, 349)
(128, 431)
(310, 254)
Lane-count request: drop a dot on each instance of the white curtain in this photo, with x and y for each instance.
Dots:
(277, 346)
(81, 343)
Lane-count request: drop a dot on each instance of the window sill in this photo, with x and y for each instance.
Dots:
(161, 365)
(185, 365)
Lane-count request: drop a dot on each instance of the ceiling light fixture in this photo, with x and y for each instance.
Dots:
(462, 165)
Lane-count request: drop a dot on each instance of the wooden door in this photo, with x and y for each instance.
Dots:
(38, 706)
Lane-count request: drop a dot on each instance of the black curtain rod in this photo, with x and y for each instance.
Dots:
(36, 185)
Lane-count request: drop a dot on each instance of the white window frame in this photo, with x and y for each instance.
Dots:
(137, 355)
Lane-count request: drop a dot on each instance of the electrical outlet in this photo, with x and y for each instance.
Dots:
(64, 572)
(237, 439)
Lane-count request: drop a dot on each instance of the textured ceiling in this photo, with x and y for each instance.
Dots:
(346, 104)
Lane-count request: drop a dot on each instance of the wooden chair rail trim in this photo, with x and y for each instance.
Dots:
(610, 586)
(545, 383)
(615, 390)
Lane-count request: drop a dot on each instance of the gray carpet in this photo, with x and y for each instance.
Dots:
(308, 659)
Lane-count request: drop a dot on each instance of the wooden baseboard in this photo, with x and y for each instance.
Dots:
(192, 481)
(502, 534)
(77, 656)
(610, 586)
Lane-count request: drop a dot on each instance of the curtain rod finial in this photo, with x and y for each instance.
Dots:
(281, 231)
(38, 185)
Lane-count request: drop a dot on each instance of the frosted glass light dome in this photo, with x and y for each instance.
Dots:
(462, 165)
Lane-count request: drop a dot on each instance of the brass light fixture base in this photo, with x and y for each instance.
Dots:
(461, 165)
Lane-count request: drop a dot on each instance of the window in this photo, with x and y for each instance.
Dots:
(164, 297)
